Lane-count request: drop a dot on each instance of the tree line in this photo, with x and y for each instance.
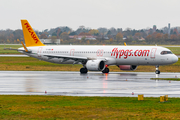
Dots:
(102, 36)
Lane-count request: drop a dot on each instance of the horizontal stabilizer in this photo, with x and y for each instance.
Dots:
(24, 46)
(9, 49)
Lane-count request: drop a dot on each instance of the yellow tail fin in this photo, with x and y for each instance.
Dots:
(31, 39)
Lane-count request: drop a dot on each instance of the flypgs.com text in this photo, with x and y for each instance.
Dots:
(118, 53)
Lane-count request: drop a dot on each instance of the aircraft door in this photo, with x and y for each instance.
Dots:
(153, 53)
(153, 56)
(39, 51)
(72, 52)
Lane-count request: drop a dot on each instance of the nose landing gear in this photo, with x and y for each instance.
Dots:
(157, 69)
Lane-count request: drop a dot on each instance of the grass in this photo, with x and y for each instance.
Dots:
(66, 107)
(172, 79)
(175, 50)
(2, 51)
(33, 64)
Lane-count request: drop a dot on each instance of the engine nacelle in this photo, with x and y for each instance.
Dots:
(95, 65)
(127, 67)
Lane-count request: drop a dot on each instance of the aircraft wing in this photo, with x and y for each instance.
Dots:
(65, 57)
(75, 58)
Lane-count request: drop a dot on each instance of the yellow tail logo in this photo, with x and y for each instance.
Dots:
(31, 39)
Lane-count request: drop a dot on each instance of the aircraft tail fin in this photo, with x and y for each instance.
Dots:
(31, 39)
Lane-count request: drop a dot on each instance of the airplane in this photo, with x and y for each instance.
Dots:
(95, 57)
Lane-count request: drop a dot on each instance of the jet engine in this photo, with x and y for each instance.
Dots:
(95, 65)
(127, 67)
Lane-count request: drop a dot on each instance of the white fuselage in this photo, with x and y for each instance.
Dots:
(112, 55)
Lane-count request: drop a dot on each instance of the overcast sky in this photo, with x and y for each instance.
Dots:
(46, 14)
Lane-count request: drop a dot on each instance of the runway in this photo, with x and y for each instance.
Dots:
(11, 55)
(91, 84)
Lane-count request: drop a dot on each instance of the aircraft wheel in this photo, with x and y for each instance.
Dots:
(83, 70)
(157, 69)
(106, 70)
(157, 72)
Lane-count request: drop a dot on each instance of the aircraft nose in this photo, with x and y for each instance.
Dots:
(174, 59)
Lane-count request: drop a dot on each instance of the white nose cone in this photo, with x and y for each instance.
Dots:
(174, 59)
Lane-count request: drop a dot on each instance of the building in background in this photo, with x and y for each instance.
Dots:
(51, 41)
(79, 37)
(169, 29)
(175, 31)
(154, 28)
(178, 29)
(165, 30)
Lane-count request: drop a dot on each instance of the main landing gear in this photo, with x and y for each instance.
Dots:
(157, 69)
(106, 70)
(84, 70)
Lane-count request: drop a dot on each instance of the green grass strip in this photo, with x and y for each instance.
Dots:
(173, 79)
(33, 64)
(69, 107)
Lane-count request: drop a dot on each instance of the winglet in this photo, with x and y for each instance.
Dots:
(125, 44)
(31, 39)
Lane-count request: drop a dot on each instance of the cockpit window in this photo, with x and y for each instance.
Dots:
(166, 52)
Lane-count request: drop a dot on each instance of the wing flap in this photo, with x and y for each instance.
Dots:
(76, 58)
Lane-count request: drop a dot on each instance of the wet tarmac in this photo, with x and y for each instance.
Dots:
(12, 55)
(91, 84)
